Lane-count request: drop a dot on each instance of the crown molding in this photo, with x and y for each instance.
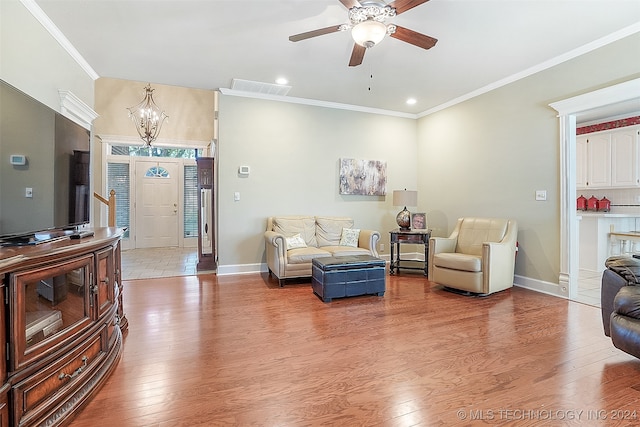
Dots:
(75, 109)
(603, 41)
(316, 103)
(55, 32)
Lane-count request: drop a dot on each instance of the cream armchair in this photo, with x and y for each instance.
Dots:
(478, 257)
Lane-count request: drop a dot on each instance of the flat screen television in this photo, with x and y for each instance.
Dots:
(44, 171)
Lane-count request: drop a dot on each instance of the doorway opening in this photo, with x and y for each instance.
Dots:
(599, 103)
(156, 195)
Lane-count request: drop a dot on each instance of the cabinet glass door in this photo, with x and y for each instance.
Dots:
(49, 303)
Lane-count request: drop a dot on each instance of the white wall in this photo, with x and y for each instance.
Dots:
(32, 61)
(293, 151)
(495, 150)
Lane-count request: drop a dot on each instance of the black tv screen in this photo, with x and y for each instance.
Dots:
(44, 167)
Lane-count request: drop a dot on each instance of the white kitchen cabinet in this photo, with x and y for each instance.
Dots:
(608, 159)
(624, 157)
(593, 161)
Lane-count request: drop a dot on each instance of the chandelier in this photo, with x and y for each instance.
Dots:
(367, 24)
(147, 117)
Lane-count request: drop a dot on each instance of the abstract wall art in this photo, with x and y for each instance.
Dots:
(363, 177)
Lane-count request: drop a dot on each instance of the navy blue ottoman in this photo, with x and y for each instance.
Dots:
(347, 276)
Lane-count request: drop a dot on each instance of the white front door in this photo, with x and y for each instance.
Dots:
(156, 209)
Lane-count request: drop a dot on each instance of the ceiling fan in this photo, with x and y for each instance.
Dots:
(366, 22)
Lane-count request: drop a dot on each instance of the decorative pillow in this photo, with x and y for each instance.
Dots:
(295, 241)
(350, 237)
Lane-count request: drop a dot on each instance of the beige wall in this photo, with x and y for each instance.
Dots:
(494, 151)
(190, 111)
(293, 151)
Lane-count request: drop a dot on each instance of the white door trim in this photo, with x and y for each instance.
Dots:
(569, 110)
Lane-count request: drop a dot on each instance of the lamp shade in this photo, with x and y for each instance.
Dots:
(405, 198)
(369, 33)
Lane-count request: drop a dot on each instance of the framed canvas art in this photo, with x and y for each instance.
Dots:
(363, 177)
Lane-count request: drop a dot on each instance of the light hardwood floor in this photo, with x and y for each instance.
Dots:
(239, 350)
(172, 261)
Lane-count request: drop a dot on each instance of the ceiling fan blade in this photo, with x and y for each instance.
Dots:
(314, 33)
(357, 55)
(350, 3)
(414, 38)
(404, 5)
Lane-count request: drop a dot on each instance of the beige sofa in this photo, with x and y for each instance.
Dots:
(292, 242)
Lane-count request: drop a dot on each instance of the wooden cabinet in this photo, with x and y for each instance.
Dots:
(48, 304)
(608, 159)
(63, 318)
(4, 406)
(103, 288)
(206, 214)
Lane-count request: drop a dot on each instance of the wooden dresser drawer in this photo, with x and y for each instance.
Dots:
(41, 392)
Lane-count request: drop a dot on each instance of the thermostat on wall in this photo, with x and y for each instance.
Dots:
(244, 170)
(18, 159)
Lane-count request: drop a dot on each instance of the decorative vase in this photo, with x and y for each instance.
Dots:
(404, 219)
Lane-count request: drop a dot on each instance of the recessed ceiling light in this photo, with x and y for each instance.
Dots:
(282, 81)
(411, 101)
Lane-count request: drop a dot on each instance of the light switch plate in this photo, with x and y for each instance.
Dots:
(541, 194)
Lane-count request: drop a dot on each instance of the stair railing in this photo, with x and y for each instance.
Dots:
(111, 206)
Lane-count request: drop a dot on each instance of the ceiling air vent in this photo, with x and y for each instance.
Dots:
(259, 87)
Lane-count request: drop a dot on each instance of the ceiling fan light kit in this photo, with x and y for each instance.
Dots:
(367, 23)
(369, 33)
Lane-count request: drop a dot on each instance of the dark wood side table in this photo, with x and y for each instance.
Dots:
(414, 237)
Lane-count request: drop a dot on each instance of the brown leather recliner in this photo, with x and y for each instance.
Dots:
(620, 303)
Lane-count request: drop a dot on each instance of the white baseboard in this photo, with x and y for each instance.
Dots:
(224, 270)
(520, 281)
(539, 286)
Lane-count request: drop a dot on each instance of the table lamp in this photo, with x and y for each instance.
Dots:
(404, 198)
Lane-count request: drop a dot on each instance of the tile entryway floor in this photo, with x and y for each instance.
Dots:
(158, 262)
(589, 287)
